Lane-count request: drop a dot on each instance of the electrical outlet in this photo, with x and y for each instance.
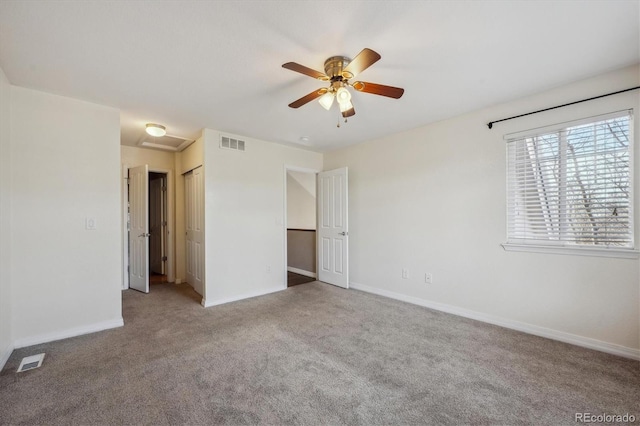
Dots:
(428, 278)
(405, 274)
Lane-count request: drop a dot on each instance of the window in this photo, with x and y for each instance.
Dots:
(570, 186)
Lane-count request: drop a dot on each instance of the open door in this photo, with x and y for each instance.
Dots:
(333, 228)
(139, 228)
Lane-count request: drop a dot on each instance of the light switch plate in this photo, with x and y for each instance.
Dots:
(90, 223)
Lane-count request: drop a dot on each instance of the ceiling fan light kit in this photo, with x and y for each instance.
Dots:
(156, 130)
(345, 106)
(338, 70)
(326, 100)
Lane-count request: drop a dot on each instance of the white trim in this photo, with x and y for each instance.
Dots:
(585, 342)
(578, 251)
(301, 272)
(70, 332)
(208, 304)
(4, 357)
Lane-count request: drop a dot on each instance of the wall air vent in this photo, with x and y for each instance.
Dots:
(231, 143)
(31, 362)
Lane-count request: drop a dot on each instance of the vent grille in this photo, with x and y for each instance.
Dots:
(231, 143)
(31, 362)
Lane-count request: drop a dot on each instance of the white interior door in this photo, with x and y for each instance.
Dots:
(333, 228)
(139, 228)
(194, 217)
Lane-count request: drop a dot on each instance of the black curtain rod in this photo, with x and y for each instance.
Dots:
(491, 123)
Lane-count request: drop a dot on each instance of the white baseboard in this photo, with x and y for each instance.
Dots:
(178, 280)
(301, 272)
(70, 332)
(4, 356)
(549, 333)
(209, 303)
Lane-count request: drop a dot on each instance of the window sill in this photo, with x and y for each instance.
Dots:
(576, 251)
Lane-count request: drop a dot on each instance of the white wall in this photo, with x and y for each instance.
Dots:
(433, 200)
(6, 339)
(66, 167)
(301, 200)
(244, 220)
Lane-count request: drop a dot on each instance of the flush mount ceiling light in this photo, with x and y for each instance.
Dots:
(156, 130)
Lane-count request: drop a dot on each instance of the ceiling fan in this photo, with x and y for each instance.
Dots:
(338, 70)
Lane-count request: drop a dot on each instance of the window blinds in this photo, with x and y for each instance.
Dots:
(572, 185)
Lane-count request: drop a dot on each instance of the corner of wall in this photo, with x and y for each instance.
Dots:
(6, 194)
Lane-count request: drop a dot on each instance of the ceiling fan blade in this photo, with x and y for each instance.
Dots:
(378, 89)
(306, 71)
(361, 62)
(308, 98)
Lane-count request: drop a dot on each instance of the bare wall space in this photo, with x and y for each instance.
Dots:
(433, 200)
(70, 276)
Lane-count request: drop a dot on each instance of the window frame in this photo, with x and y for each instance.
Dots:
(568, 248)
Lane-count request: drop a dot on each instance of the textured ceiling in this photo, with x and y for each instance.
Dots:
(217, 64)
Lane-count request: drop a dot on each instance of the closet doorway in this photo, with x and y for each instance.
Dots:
(158, 228)
(149, 251)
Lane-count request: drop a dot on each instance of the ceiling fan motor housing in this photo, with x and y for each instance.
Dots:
(334, 67)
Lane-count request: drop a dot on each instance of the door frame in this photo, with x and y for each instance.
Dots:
(288, 168)
(170, 229)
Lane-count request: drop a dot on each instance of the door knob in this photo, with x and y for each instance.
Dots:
(144, 235)
(343, 233)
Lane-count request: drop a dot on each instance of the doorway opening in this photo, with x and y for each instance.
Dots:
(325, 216)
(149, 238)
(158, 228)
(301, 226)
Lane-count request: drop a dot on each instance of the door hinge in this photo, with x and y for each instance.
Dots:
(164, 258)
(164, 188)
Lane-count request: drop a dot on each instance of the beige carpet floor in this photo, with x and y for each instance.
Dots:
(312, 354)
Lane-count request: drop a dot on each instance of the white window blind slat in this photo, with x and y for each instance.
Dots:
(572, 184)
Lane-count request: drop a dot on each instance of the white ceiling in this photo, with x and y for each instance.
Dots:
(217, 64)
